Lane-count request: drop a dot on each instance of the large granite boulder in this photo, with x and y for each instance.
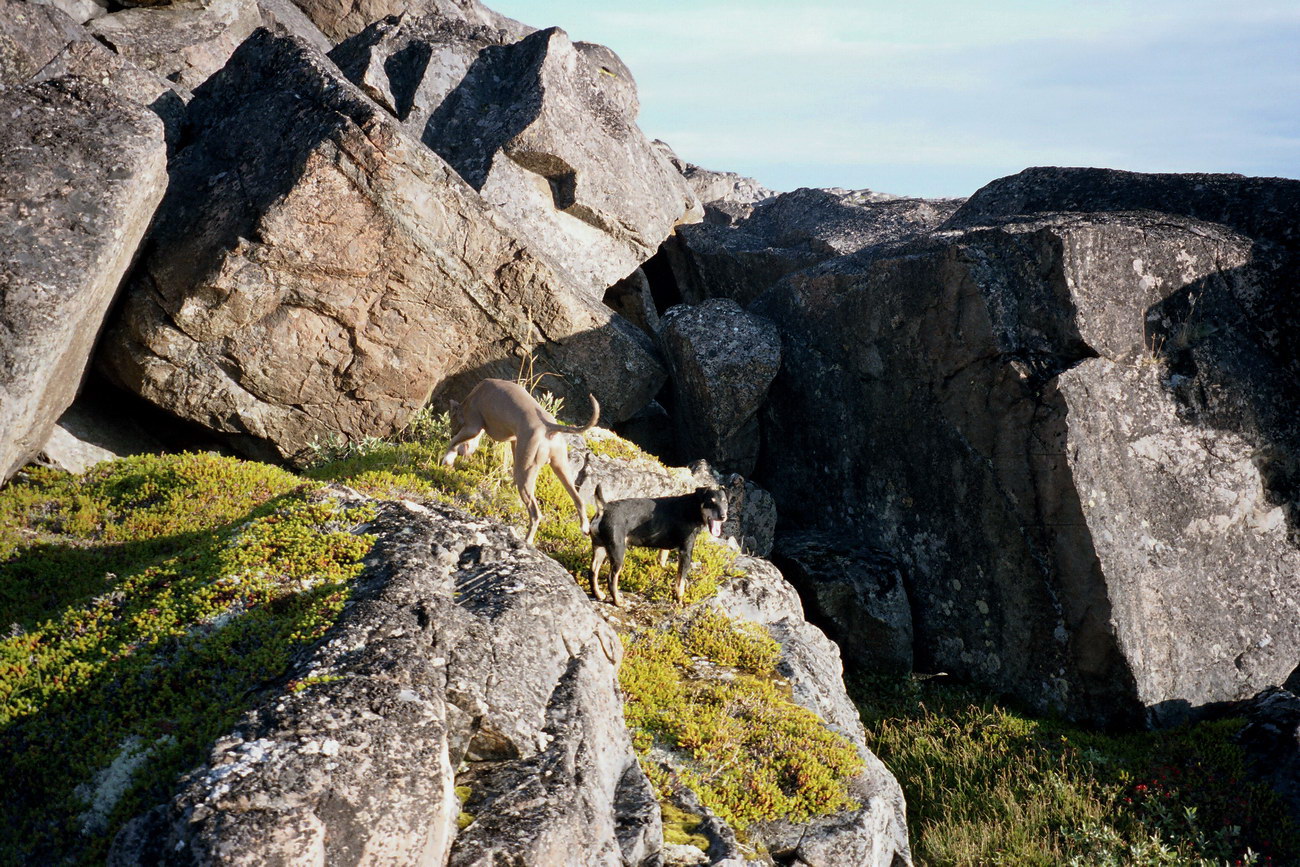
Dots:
(545, 129)
(721, 360)
(1073, 432)
(466, 659)
(30, 36)
(184, 41)
(81, 172)
(316, 270)
(725, 196)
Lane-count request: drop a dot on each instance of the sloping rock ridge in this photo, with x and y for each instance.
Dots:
(464, 659)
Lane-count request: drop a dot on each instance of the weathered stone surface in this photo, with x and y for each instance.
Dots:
(632, 299)
(31, 35)
(283, 17)
(316, 270)
(741, 258)
(874, 834)
(461, 645)
(185, 41)
(1065, 433)
(546, 130)
(341, 19)
(410, 64)
(88, 58)
(721, 360)
(725, 196)
(856, 593)
(81, 172)
(79, 11)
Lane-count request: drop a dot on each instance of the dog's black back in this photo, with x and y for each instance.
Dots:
(659, 522)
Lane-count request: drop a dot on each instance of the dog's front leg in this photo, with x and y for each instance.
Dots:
(597, 560)
(463, 445)
(683, 566)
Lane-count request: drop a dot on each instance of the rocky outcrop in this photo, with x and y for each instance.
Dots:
(79, 11)
(1064, 430)
(721, 360)
(726, 196)
(876, 832)
(315, 270)
(741, 258)
(856, 593)
(185, 41)
(410, 64)
(81, 172)
(341, 19)
(465, 659)
(545, 129)
(31, 35)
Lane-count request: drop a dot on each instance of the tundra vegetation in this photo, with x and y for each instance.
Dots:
(150, 601)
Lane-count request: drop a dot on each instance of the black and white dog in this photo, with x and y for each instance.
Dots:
(660, 522)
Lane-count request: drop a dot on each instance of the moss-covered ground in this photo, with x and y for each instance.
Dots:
(143, 606)
(986, 784)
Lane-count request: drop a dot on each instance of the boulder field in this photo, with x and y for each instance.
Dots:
(1045, 438)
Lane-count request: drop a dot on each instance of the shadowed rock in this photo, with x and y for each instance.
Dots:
(315, 270)
(81, 172)
(740, 258)
(341, 19)
(721, 360)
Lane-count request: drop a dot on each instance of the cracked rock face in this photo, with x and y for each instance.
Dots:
(185, 41)
(81, 172)
(545, 129)
(315, 270)
(1062, 430)
(465, 658)
(341, 19)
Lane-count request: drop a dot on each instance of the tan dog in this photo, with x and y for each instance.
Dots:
(508, 413)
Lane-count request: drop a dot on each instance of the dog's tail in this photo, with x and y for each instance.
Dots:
(556, 427)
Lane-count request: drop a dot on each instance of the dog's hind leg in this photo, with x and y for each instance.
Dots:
(560, 464)
(525, 472)
(616, 554)
(663, 557)
(597, 560)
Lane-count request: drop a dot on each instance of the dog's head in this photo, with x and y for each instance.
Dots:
(713, 508)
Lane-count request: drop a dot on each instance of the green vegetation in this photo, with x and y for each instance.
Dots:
(987, 785)
(147, 602)
(751, 753)
(682, 828)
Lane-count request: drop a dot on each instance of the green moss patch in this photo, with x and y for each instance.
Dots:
(988, 785)
(748, 751)
(150, 600)
(683, 828)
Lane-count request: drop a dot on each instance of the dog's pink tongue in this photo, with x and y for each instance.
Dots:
(715, 527)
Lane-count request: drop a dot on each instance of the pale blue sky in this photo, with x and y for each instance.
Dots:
(938, 97)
